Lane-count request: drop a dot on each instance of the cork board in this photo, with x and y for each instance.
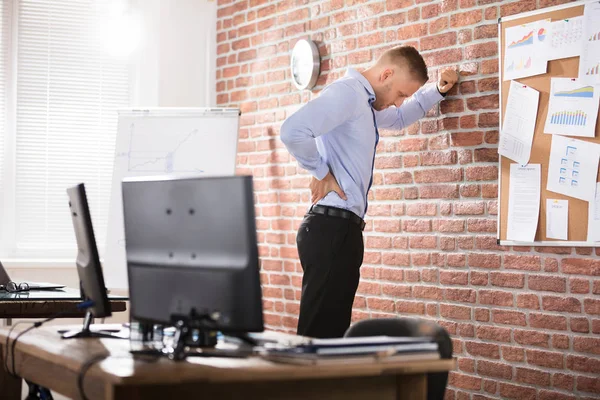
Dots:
(540, 152)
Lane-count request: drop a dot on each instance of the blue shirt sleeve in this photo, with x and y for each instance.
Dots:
(335, 105)
(411, 110)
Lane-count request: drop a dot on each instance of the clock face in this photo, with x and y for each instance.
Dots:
(305, 64)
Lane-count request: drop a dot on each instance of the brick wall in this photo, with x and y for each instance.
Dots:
(525, 320)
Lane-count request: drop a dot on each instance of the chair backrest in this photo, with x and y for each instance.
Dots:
(4, 278)
(403, 327)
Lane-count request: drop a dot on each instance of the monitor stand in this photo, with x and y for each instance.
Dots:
(85, 332)
(184, 325)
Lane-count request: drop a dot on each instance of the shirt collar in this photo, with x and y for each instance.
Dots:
(352, 73)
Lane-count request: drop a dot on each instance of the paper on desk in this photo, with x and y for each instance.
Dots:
(573, 108)
(523, 202)
(526, 50)
(593, 234)
(573, 167)
(589, 62)
(557, 219)
(516, 137)
(566, 38)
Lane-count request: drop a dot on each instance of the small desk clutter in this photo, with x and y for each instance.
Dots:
(549, 135)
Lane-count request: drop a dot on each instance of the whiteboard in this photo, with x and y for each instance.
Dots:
(165, 141)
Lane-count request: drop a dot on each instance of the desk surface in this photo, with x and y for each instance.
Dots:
(45, 303)
(120, 369)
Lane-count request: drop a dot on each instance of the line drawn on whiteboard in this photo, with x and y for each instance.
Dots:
(153, 155)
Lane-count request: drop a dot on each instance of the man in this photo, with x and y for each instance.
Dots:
(334, 137)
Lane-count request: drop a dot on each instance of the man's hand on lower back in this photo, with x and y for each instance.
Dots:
(320, 188)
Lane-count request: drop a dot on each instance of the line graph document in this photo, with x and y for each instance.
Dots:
(165, 141)
(573, 108)
(516, 137)
(523, 202)
(526, 50)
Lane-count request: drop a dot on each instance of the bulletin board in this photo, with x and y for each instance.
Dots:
(540, 152)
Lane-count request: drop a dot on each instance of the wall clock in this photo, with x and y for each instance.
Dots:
(305, 64)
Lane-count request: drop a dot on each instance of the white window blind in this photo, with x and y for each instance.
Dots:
(68, 90)
(5, 19)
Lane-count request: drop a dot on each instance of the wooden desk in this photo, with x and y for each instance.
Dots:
(46, 303)
(43, 358)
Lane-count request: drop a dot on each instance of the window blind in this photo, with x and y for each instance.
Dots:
(68, 91)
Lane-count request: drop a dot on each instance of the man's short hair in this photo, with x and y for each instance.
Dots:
(409, 57)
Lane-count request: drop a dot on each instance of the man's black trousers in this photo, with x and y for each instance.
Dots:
(331, 252)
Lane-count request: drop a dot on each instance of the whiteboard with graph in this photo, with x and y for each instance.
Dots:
(173, 141)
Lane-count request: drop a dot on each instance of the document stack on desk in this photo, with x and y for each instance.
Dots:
(369, 349)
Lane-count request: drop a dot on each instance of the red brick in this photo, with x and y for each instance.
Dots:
(532, 338)
(412, 31)
(547, 283)
(532, 376)
(439, 192)
(545, 359)
(530, 301)
(421, 209)
(460, 295)
(410, 307)
(588, 384)
(583, 363)
(423, 242)
(486, 350)
(564, 381)
(494, 333)
(479, 278)
(509, 391)
(438, 175)
(416, 225)
(485, 173)
(443, 40)
(584, 344)
(527, 263)
(462, 381)
(481, 225)
(545, 321)
(466, 18)
(509, 317)
(517, 7)
(486, 155)
(443, 57)
(581, 266)
(513, 353)
(592, 306)
(487, 120)
(453, 226)
(455, 312)
(438, 158)
(484, 260)
(496, 297)
(563, 304)
(580, 286)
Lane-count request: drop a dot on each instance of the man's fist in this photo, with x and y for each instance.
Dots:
(448, 78)
(320, 188)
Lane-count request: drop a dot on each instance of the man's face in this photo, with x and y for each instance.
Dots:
(395, 86)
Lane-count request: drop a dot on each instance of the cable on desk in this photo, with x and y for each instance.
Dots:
(36, 324)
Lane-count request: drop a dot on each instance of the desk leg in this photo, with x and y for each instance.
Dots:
(411, 387)
(10, 387)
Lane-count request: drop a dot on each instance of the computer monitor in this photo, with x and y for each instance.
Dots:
(192, 256)
(88, 265)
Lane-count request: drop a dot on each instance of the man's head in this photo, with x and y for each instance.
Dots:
(397, 75)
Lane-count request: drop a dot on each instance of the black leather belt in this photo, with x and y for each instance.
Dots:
(338, 212)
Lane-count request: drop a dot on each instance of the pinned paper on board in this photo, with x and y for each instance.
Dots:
(526, 50)
(589, 62)
(573, 108)
(573, 167)
(523, 202)
(566, 38)
(557, 219)
(516, 136)
(593, 234)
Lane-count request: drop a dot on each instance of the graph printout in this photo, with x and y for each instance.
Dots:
(589, 63)
(526, 50)
(573, 108)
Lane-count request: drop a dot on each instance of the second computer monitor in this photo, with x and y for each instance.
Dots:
(191, 251)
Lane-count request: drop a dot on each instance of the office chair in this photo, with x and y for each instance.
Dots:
(436, 382)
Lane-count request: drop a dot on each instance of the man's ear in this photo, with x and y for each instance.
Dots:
(386, 74)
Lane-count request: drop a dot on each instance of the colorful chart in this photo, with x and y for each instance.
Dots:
(595, 37)
(595, 70)
(522, 64)
(574, 118)
(526, 40)
(542, 34)
(586, 91)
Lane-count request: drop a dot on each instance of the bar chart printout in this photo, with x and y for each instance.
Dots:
(573, 108)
